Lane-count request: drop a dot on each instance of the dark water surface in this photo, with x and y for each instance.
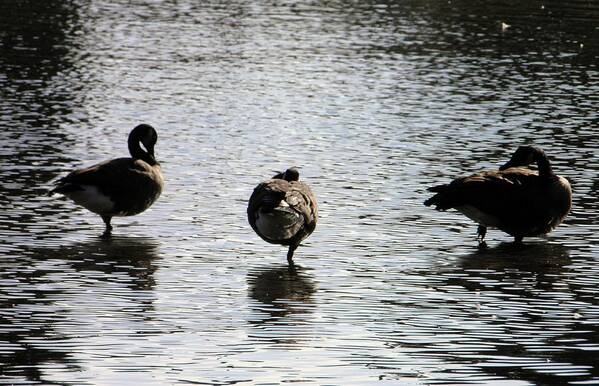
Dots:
(375, 101)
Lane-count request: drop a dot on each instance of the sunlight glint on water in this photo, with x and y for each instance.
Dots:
(374, 102)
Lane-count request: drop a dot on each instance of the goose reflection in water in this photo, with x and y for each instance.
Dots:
(502, 310)
(522, 311)
(284, 297)
(539, 258)
(533, 296)
(133, 256)
(52, 300)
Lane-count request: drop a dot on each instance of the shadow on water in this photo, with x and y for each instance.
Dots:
(512, 311)
(38, 42)
(41, 91)
(383, 90)
(534, 33)
(132, 255)
(284, 297)
(51, 300)
(540, 258)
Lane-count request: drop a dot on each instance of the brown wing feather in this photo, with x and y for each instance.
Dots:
(482, 190)
(301, 198)
(495, 192)
(296, 194)
(132, 185)
(268, 193)
(517, 197)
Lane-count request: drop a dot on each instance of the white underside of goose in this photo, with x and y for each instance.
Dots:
(92, 199)
(478, 216)
(281, 223)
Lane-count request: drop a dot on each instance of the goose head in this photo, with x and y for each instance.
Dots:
(146, 135)
(291, 174)
(524, 156)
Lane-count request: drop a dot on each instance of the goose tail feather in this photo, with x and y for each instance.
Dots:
(439, 199)
(63, 187)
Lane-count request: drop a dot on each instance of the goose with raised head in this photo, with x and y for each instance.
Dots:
(518, 201)
(283, 210)
(121, 186)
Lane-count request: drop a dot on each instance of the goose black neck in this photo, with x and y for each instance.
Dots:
(543, 165)
(138, 153)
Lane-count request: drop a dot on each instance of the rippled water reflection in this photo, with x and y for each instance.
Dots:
(374, 101)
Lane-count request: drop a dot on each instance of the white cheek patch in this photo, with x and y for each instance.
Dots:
(92, 199)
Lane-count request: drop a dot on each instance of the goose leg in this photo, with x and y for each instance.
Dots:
(292, 248)
(481, 232)
(108, 230)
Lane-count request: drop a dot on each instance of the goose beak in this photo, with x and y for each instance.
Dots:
(149, 148)
(151, 153)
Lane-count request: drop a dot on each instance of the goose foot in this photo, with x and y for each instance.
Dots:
(292, 248)
(292, 269)
(108, 231)
(481, 233)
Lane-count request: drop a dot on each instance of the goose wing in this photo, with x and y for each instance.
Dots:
(269, 195)
(131, 184)
(301, 198)
(497, 193)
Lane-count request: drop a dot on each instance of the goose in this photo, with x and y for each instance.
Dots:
(121, 186)
(283, 210)
(516, 200)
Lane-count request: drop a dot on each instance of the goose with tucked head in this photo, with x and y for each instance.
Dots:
(283, 210)
(121, 186)
(517, 200)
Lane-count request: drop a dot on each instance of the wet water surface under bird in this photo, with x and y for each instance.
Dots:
(373, 102)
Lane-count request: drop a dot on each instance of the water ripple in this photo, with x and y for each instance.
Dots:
(374, 101)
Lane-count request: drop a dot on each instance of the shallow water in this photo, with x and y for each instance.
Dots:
(374, 101)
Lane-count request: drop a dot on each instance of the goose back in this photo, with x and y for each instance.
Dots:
(515, 200)
(131, 185)
(282, 212)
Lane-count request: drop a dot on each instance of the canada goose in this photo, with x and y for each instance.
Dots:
(283, 210)
(514, 199)
(118, 187)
